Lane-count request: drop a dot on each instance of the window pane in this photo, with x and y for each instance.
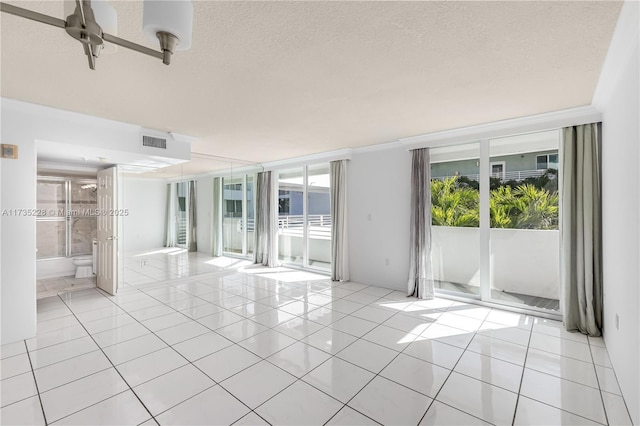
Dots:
(524, 222)
(290, 217)
(251, 210)
(232, 215)
(319, 216)
(541, 162)
(183, 193)
(52, 238)
(455, 199)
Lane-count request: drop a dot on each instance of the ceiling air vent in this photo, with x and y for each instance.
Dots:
(154, 142)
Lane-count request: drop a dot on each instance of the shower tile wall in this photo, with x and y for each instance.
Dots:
(51, 229)
(83, 225)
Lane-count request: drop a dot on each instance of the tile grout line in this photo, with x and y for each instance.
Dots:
(595, 370)
(33, 373)
(524, 368)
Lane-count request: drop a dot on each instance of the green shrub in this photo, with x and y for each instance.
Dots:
(455, 201)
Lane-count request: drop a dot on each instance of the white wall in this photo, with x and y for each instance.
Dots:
(18, 271)
(204, 198)
(617, 96)
(378, 200)
(146, 201)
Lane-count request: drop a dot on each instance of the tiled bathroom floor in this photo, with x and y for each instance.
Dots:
(282, 346)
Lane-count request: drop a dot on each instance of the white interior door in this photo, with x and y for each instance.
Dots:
(107, 268)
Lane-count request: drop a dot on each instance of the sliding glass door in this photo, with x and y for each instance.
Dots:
(304, 217)
(524, 212)
(238, 215)
(182, 214)
(232, 210)
(495, 211)
(455, 218)
(67, 225)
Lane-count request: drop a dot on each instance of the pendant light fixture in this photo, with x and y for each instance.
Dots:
(95, 25)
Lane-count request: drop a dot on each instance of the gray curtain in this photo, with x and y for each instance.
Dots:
(170, 234)
(420, 271)
(193, 238)
(339, 236)
(216, 218)
(266, 234)
(581, 229)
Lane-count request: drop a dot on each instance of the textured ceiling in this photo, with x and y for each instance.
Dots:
(273, 80)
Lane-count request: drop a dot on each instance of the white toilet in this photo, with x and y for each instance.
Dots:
(86, 265)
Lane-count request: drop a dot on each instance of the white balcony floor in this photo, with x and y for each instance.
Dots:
(195, 344)
(499, 296)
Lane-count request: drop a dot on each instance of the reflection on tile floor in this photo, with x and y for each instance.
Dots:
(206, 343)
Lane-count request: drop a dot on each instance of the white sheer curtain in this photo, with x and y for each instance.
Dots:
(420, 271)
(266, 233)
(339, 235)
(581, 229)
(170, 236)
(216, 217)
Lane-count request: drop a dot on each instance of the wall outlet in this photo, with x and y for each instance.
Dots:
(617, 322)
(386, 261)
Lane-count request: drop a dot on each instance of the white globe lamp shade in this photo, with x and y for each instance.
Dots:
(169, 16)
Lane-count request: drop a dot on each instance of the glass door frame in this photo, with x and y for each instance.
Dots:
(305, 224)
(186, 214)
(67, 210)
(484, 298)
(245, 209)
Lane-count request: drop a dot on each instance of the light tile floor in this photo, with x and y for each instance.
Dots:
(281, 346)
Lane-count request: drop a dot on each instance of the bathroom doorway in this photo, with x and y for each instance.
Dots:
(65, 234)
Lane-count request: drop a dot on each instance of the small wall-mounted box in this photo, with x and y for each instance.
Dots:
(9, 151)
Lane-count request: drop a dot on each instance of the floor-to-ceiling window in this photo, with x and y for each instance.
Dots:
(238, 215)
(304, 216)
(523, 212)
(232, 215)
(495, 209)
(455, 218)
(182, 216)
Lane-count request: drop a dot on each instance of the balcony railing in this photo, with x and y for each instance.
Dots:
(319, 225)
(517, 176)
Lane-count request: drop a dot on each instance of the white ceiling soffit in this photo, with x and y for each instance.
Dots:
(266, 81)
